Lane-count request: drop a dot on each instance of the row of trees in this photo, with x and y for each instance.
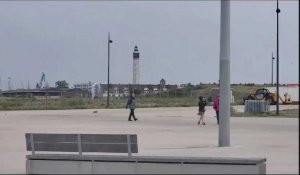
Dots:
(62, 84)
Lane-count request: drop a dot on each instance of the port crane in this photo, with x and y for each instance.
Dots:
(39, 85)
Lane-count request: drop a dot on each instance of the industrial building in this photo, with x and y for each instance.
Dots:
(51, 92)
(92, 88)
(123, 90)
(45, 92)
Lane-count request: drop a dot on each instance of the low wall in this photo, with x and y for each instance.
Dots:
(142, 165)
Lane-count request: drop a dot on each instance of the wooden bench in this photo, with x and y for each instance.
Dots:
(79, 162)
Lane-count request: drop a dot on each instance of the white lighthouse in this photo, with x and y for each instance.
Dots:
(136, 66)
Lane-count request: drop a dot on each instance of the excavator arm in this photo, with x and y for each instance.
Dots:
(39, 85)
(287, 99)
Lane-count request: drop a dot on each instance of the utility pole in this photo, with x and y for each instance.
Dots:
(224, 123)
(9, 85)
(108, 59)
(28, 85)
(277, 78)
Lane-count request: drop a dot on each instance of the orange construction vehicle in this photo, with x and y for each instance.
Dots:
(265, 94)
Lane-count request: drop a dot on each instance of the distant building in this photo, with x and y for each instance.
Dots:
(84, 90)
(181, 86)
(76, 93)
(92, 88)
(162, 83)
(51, 93)
(96, 91)
(124, 90)
(84, 86)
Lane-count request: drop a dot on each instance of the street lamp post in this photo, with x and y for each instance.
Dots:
(273, 58)
(277, 66)
(224, 74)
(9, 83)
(109, 41)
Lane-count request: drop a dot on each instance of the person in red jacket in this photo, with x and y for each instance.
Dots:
(216, 106)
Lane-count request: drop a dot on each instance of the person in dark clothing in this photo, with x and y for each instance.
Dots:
(201, 104)
(131, 105)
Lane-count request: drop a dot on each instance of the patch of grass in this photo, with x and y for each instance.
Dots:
(176, 98)
(10, 104)
(71, 103)
(82, 103)
(166, 102)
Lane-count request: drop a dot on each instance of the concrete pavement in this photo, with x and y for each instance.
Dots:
(161, 131)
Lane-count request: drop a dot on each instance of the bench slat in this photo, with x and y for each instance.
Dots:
(109, 143)
(39, 137)
(62, 147)
(107, 138)
(86, 147)
(97, 138)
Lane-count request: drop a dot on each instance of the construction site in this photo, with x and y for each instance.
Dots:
(42, 90)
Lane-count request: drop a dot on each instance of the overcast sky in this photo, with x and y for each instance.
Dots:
(178, 41)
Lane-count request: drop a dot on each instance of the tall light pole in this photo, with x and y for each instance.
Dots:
(108, 54)
(9, 83)
(273, 58)
(224, 123)
(277, 77)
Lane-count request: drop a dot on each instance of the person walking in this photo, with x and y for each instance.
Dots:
(131, 105)
(201, 104)
(216, 106)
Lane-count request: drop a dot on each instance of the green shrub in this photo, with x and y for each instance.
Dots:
(10, 104)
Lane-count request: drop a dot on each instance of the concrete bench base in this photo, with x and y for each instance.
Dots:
(87, 164)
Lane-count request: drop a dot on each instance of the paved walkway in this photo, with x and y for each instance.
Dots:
(161, 131)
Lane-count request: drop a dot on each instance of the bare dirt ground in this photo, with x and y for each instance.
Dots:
(161, 132)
